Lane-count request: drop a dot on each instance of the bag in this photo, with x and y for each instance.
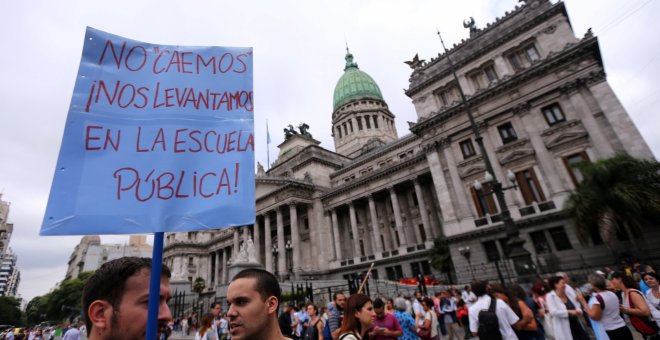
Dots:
(326, 331)
(489, 327)
(423, 333)
(645, 325)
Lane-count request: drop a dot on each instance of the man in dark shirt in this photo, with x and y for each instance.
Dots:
(285, 321)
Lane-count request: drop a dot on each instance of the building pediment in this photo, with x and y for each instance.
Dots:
(568, 132)
(471, 167)
(515, 151)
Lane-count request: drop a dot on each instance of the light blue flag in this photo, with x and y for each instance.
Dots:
(158, 139)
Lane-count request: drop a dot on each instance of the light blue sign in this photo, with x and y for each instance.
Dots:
(158, 139)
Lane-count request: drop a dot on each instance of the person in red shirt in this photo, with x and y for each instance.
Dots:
(386, 326)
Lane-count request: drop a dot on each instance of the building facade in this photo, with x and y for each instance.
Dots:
(10, 276)
(541, 100)
(90, 254)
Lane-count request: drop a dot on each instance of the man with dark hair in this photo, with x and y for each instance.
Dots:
(215, 310)
(254, 296)
(504, 314)
(386, 326)
(116, 296)
(335, 313)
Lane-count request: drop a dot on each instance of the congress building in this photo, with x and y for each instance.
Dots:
(541, 102)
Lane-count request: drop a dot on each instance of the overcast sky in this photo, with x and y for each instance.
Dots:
(299, 49)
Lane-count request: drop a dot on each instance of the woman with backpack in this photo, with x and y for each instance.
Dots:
(603, 311)
(565, 312)
(315, 329)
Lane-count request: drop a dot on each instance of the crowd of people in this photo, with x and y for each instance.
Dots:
(75, 331)
(611, 305)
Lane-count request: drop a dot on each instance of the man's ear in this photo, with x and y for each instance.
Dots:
(100, 314)
(271, 304)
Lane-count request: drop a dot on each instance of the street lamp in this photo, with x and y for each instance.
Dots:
(522, 259)
(465, 251)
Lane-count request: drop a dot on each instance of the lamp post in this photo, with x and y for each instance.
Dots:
(289, 256)
(522, 260)
(465, 251)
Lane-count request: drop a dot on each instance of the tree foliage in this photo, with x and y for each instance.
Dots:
(441, 258)
(60, 304)
(620, 189)
(199, 285)
(10, 310)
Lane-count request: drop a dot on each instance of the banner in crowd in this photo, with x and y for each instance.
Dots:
(158, 138)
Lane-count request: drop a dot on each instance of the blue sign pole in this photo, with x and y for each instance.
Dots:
(154, 286)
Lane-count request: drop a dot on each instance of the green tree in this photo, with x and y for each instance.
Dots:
(35, 311)
(10, 310)
(441, 258)
(620, 189)
(199, 285)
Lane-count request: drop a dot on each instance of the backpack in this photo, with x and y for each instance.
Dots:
(489, 327)
(326, 331)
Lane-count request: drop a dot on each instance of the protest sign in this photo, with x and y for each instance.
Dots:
(157, 139)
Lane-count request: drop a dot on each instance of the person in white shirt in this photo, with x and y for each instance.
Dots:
(468, 296)
(565, 312)
(505, 315)
(570, 291)
(603, 310)
(417, 304)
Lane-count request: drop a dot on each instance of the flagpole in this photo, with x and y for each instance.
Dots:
(267, 145)
(154, 286)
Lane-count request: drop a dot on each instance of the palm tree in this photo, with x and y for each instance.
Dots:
(441, 258)
(620, 189)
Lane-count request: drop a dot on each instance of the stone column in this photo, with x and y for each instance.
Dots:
(257, 240)
(268, 247)
(397, 216)
(218, 263)
(295, 238)
(328, 222)
(354, 230)
(246, 234)
(441, 188)
(224, 265)
(211, 277)
(374, 224)
(335, 234)
(281, 251)
(236, 244)
(600, 142)
(422, 211)
(460, 194)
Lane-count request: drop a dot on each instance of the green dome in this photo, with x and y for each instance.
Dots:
(354, 84)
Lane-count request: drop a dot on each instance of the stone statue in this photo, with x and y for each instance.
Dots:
(471, 25)
(415, 63)
(250, 251)
(308, 177)
(242, 255)
(260, 170)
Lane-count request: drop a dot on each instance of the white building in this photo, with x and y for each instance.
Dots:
(9, 273)
(90, 254)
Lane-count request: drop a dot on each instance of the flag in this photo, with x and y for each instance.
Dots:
(267, 134)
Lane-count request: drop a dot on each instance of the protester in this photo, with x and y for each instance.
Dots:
(429, 325)
(302, 320)
(386, 326)
(468, 296)
(336, 313)
(448, 319)
(184, 325)
(527, 327)
(314, 330)
(72, 334)
(215, 310)
(285, 321)
(358, 318)
(418, 310)
(633, 301)
(562, 307)
(205, 331)
(253, 296)
(113, 299)
(389, 306)
(405, 320)
(603, 311)
(505, 316)
(463, 318)
(653, 293)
